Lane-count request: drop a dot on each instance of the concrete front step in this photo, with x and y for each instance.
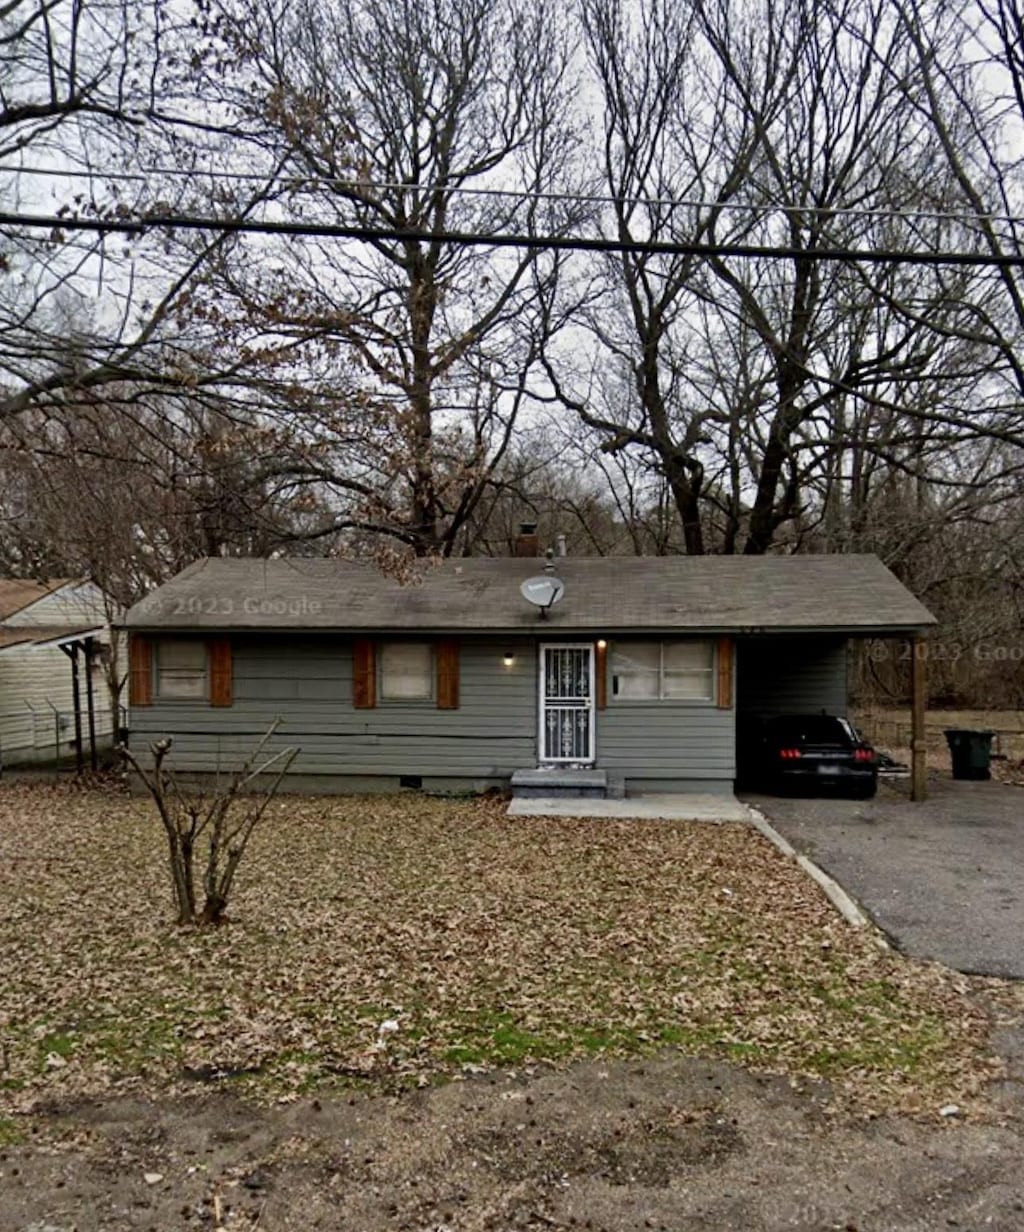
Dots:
(567, 784)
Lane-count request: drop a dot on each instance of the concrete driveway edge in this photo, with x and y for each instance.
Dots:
(839, 898)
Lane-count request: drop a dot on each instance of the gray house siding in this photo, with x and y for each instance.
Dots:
(307, 681)
(666, 746)
(791, 675)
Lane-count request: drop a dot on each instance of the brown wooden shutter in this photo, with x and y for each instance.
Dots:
(725, 655)
(221, 673)
(447, 651)
(140, 670)
(364, 674)
(601, 675)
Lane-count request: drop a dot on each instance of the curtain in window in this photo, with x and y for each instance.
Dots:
(672, 671)
(636, 668)
(405, 671)
(688, 670)
(181, 670)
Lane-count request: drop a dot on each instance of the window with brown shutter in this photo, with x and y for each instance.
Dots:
(725, 654)
(405, 672)
(182, 670)
(663, 671)
(221, 672)
(448, 674)
(364, 674)
(140, 678)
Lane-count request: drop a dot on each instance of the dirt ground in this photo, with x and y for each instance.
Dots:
(666, 1143)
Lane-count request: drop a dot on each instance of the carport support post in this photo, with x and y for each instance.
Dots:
(71, 650)
(89, 647)
(919, 704)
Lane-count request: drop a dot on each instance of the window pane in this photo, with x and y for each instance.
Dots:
(405, 671)
(689, 671)
(181, 669)
(689, 686)
(635, 668)
(689, 656)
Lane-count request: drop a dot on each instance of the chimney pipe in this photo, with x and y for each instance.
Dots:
(560, 548)
(527, 541)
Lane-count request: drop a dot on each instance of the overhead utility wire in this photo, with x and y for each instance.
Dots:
(522, 194)
(557, 243)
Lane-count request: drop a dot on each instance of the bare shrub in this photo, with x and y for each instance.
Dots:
(225, 820)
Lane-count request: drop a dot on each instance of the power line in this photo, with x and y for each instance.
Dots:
(556, 243)
(368, 187)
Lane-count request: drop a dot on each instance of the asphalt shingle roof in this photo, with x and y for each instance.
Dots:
(855, 594)
(18, 593)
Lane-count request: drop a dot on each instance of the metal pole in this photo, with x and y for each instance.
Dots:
(919, 705)
(90, 707)
(76, 694)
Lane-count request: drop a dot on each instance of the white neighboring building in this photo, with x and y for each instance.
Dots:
(51, 632)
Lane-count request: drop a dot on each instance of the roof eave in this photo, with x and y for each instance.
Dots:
(549, 628)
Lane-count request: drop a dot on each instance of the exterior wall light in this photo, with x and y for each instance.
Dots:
(510, 658)
(602, 644)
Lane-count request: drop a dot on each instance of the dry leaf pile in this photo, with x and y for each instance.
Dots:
(389, 941)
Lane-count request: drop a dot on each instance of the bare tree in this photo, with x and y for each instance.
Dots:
(77, 82)
(969, 84)
(130, 499)
(792, 127)
(659, 123)
(85, 86)
(418, 353)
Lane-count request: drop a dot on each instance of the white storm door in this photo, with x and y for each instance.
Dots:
(567, 704)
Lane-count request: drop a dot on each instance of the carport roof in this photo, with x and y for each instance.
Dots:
(741, 594)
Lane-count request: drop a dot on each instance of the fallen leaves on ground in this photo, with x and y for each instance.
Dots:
(392, 940)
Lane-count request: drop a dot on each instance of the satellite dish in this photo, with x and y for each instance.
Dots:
(542, 591)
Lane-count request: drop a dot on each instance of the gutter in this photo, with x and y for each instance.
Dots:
(546, 630)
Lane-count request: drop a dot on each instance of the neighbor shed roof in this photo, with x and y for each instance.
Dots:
(18, 593)
(842, 594)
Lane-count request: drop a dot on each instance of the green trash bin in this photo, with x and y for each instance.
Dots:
(970, 752)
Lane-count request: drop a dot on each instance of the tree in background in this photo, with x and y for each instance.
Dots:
(416, 354)
(743, 380)
(83, 82)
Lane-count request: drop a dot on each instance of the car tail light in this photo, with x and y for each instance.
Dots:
(790, 754)
(863, 754)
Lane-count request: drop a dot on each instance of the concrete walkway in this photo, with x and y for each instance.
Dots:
(655, 807)
(945, 879)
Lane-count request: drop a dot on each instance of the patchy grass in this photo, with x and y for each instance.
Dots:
(488, 941)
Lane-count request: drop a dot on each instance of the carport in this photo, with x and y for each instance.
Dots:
(806, 673)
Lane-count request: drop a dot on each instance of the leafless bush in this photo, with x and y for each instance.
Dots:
(226, 821)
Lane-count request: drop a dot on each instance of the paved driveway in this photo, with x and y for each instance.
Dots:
(945, 879)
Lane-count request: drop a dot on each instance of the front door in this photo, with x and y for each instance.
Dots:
(567, 704)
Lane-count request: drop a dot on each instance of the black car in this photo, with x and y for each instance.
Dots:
(814, 752)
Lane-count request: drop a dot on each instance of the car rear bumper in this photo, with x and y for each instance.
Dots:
(822, 779)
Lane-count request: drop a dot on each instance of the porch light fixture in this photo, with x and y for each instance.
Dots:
(602, 644)
(510, 658)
